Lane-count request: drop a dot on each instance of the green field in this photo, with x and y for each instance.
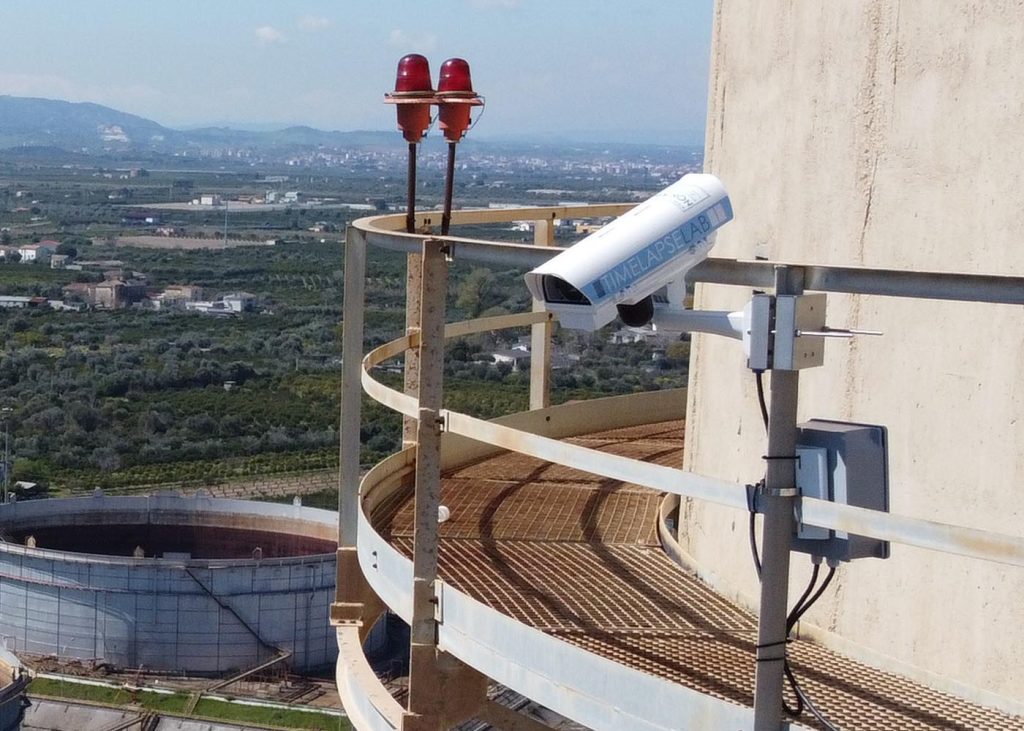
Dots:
(176, 703)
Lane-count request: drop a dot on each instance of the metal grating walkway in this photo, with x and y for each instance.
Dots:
(577, 557)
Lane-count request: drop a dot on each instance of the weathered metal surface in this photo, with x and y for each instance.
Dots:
(367, 702)
(424, 681)
(155, 540)
(985, 545)
(540, 334)
(618, 599)
(351, 394)
(935, 536)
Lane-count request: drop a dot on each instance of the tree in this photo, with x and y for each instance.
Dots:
(473, 293)
(67, 250)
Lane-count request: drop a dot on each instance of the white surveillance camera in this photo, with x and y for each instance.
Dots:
(616, 270)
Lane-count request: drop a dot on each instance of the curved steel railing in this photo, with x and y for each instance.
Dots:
(583, 686)
(559, 675)
(933, 535)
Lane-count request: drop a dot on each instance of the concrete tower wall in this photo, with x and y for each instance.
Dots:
(885, 135)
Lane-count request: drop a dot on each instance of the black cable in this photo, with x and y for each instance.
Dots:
(799, 611)
(759, 379)
(797, 608)
(795, 687)
(806, 702)
(752, 491)
(753, 544)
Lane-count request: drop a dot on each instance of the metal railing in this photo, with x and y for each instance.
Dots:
(422, 402)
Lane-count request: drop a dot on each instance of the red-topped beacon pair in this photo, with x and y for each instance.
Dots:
(414, 95)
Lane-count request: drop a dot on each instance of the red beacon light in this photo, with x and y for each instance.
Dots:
(412, 96)
(455, 97)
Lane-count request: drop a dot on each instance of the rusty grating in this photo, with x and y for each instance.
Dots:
(576, 557)
(507, 511)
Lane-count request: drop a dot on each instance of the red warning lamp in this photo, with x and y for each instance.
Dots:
(455, 76)
(455, 97)
(413, 74)
(412, 96)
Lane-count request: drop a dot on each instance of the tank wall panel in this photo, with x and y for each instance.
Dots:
(272, 579)
(160, 613)
(76, 619)
(232, 581)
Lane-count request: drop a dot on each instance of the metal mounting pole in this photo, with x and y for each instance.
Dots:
(425, 700)
(410, 197)
(449, 189)
(776, 502)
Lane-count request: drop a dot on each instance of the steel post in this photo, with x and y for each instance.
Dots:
(540, 334)
(425, 699)
(776, 502)
(411, 371)
(7, 410)
(351, 387)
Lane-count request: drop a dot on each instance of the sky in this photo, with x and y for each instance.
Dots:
(572, 69)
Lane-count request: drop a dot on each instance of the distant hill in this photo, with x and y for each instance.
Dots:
(78, 127)
(92, 128)
(43, 129)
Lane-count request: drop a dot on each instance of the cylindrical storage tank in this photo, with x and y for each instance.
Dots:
(13, 700)
(191, 584)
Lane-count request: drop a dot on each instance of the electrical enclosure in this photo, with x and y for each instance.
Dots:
(857, 473)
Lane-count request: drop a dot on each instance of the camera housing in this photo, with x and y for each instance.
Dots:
(616, 270)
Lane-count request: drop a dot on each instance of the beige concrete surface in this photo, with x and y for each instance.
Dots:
(888, 135)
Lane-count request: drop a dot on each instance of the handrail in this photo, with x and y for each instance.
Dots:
(384, 232)
(932, 535)
(520, 656)
(405, 404)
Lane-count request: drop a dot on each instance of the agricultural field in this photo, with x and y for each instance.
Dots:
(136, 396)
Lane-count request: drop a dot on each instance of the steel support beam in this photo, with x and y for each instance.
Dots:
(540, 334)
(776, 502)
(411, 370)
(426, 702)
(351, 388)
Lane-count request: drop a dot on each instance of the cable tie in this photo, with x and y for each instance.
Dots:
(771, 458)
(768, 646)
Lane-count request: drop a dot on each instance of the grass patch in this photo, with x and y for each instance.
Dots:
(108, 695)
(175, 703)
(224, 711)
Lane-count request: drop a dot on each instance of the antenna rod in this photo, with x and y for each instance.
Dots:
(410, 205)
(449, 185)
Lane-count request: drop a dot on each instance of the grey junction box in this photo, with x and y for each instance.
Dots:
(844, 463)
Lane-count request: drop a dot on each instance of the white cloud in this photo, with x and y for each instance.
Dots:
(267, 34)
(313, 23)
(408, 42)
